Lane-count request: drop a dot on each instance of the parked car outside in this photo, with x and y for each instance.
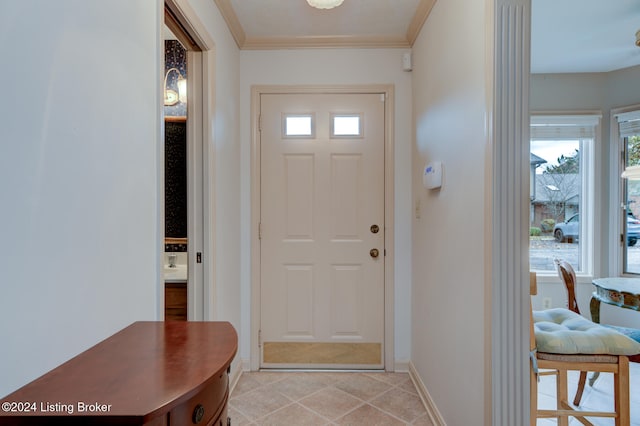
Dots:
(567, 230)
(633, 231)
(570, 229)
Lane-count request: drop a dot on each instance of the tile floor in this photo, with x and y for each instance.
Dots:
(302, 398)
(333, 398)
(598, 397)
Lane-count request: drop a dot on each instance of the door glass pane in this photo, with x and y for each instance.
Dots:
(631, 210)
(555, 194)
(346, 125)
(298, 125)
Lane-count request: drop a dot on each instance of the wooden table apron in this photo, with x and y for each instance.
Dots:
(141, 373)
(617, 291)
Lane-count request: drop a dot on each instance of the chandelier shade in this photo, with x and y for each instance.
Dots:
(324, 4)
(171, 97)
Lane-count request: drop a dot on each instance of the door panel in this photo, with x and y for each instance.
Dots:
(322, 293)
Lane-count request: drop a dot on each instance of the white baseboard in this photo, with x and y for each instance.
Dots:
(401, 367)
(236, 372)
(432, 410)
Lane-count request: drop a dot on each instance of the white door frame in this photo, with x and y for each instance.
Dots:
(388, 90)
(200, 160)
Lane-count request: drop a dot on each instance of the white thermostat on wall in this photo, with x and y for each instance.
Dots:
(432, 176)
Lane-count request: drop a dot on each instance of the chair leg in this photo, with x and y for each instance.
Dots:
(533, 397)
(581, 382)
(621, 391)
(562, 395)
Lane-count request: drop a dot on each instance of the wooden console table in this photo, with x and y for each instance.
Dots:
(150, 373)
(617, 291)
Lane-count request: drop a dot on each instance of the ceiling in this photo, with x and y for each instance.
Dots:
(584, 35)
(567, 35)
(268, 24)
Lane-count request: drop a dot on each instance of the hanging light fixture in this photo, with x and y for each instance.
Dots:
(324, 4)
(171, 97)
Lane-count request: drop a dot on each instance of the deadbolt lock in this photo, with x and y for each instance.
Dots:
(374, 253)
(374, 229)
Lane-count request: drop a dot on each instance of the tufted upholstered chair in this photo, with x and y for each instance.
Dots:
(563, 341)
(568, 277)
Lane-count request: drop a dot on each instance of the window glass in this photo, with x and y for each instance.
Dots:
(298, 125)
(631, 208)
(346, 125)
(562, 197)
(556, 203)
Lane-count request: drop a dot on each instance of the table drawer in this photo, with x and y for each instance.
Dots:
(222, 419)
(204, 407)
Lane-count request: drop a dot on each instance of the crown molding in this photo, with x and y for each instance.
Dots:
(422, 13)
(230, 17)
(267, 43)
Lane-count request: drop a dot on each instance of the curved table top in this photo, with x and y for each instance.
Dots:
(619, 291)
(142, 371)
(622, 284)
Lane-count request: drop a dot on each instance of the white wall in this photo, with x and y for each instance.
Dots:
(448, 314)
(336, 67)
(600, 92)
(81, 162)
(79, 155)
(622, 87)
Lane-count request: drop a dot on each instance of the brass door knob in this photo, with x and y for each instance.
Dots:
(374, 253)
(374, 229)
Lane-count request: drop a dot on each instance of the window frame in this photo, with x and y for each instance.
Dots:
(334, 135)
(617, 192)
(588, 127)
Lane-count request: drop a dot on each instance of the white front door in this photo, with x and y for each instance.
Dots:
(322, 230)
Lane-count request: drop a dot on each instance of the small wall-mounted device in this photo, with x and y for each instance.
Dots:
(432, 175)
(407, 64)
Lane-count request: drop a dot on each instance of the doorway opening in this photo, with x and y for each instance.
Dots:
(185, 168)
(176, 242)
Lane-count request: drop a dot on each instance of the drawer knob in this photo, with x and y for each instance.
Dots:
(198, 414)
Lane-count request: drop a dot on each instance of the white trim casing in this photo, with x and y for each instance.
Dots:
(209, 184)
(389, 201)
(508, 219)
(615, 188)
(160, 163)
(256, 171)
(195, 194)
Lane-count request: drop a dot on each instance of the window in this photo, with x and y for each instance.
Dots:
(346, 125)
(561, 191)
(629, 132)
(297, 125)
